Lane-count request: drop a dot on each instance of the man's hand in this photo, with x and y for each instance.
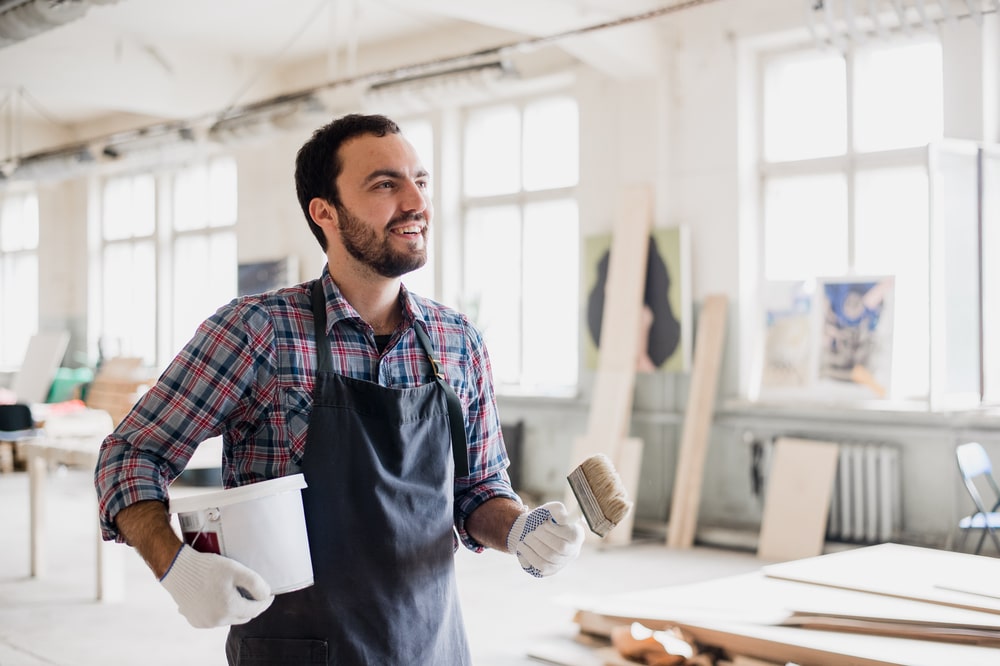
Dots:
(215, 591)
(545, 540)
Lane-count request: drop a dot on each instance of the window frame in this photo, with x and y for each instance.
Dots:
(521, 199)
(163, 238)
(849, 165)
(13, 353)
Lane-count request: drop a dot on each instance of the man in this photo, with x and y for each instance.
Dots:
(381, 398)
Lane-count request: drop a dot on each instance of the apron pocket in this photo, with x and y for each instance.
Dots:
(281, 651)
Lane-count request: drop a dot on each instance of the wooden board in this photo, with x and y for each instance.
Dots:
(697, 422)
(744, 615)
(797, 500)
(906, 572)
(608, 422)
(117, 386)
(614, 382)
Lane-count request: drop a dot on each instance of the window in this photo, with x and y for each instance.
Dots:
(420, 134)
(844, 179)
(128, 264)
(203, 224)
(167, 257)
(18, 276)
(521, 239)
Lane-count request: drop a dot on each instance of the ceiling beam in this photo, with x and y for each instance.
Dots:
(626, 51)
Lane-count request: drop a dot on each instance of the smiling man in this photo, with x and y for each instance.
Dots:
(381, 398)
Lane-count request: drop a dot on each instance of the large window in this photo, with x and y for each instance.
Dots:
(845, 185)
(167, 256)
(521, 239)
(18, 276)
(203, 223)
(420, 133)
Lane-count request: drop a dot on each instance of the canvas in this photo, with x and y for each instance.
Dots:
(786, 347)
(667, 310)
(855, 318)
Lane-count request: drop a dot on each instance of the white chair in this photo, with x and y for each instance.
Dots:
(977, 473)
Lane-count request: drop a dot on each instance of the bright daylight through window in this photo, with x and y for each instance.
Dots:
(191, 234)
(846, 214)
(18, 276)
(521, 243)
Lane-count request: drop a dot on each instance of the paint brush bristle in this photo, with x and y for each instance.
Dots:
(600, 493)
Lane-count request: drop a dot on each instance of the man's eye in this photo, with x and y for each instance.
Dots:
(385, 185)
(423, 184)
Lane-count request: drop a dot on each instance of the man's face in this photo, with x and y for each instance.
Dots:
(385, 208)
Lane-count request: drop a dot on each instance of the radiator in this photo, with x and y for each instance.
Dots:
(866, 503)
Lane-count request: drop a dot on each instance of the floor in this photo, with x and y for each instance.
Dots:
(56, 621)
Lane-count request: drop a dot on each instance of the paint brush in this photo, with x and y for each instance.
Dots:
(600, 493)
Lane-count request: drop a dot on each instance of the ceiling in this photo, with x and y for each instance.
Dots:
(148, 61)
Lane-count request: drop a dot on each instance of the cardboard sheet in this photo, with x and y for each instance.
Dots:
(906, 572)
(38, 369)
(797, 502)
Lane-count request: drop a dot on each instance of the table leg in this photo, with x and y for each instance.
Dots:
(6, 457)
(37, 470)
(110, 570)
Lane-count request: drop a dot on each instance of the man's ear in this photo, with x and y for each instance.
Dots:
(323, 213)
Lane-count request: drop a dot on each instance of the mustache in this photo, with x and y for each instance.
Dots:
(406, 217)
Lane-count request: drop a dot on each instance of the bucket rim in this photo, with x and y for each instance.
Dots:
(238, 494)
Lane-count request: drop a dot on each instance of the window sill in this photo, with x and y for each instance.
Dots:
(911, 414)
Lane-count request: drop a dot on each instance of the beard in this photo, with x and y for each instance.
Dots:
(375, 250)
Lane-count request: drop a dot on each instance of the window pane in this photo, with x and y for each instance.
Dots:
(493, 284)
(492, 151)
(129, 322)
(191, 198)
(892, 238)
(204, 279)
(420, 134)
(19, 223)
(551, 293)
(899, 96)
(222, 192)
(805, 227)
(18, 294)
(551, 144)
(129, 207)
(805, 107)
(991, 275)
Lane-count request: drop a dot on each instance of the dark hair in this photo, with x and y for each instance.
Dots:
(318, 164)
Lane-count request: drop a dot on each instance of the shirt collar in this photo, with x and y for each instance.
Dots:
(337, 307)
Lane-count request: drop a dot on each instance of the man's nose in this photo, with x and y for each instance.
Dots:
(414, 198)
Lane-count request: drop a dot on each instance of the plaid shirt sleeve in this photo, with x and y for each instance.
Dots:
(210, 381)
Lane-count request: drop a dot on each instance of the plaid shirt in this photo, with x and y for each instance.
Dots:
(248, 375)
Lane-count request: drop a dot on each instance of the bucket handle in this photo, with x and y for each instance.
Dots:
(212, 515)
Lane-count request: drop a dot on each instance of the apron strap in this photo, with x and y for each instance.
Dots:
(459, 444)
(323, 357)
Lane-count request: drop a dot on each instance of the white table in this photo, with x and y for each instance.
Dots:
(44, 452)
(41, 453)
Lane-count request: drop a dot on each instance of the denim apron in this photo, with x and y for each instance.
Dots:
(379, 514)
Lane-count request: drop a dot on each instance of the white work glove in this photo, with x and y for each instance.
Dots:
(215, 591)
(545, 539)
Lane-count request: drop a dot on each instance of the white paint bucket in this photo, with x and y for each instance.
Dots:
(261, 525)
